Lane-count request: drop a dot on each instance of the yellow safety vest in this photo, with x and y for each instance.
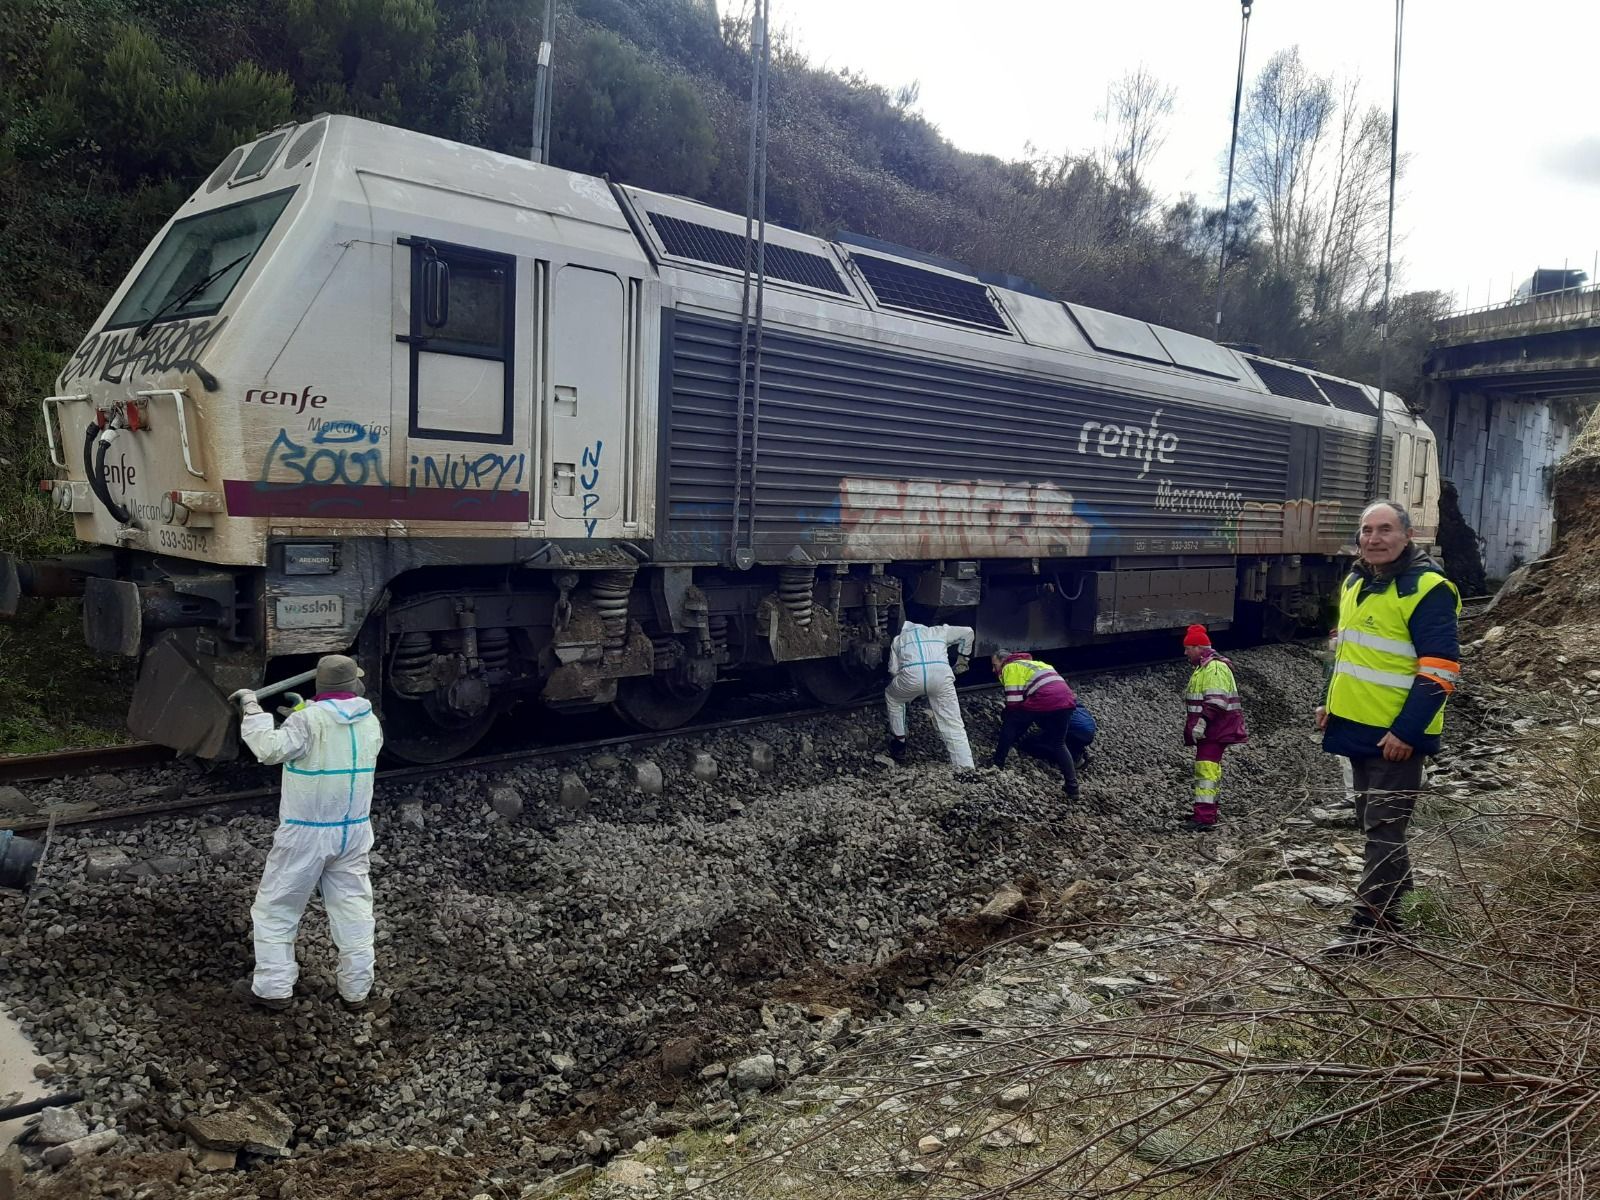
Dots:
(1376, 663)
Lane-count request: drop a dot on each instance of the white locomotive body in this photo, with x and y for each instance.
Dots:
(498, 429)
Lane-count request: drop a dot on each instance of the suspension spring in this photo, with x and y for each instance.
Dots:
(494, 649)
(794, 589)
(718, 629)
(668, 650)
(412, 668)
(610, 590)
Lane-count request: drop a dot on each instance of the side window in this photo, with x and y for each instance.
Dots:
(462, 325)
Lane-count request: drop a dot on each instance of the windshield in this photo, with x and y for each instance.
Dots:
(222, 241)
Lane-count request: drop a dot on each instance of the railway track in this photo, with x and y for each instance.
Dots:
(30, 768)
(530, 755)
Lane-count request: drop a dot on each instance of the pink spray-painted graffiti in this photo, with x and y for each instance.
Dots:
(916, 518)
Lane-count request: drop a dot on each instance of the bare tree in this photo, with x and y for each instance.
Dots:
(1135, 114)
(1285, 121)
(1349, 256)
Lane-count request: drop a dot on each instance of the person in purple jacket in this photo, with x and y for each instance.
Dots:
(1036, 695)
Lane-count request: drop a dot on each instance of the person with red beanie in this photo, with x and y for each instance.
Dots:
(1212, 697)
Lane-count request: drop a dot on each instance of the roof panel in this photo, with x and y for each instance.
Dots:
(901, 286)
(1347, 396)
(719, 247)
(1118, 334)
(1198, 353)
(1286, 381)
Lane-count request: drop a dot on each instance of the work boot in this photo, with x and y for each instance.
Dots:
(376, 1005)
(897, 748)
(1365, 933)
(1190, 824)
(1359, 941)
(1072, 792)
(1081, 762)
(244, 991)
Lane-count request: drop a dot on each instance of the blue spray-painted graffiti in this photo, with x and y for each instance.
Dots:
(458, 472)
(589, 481)
(346, 454)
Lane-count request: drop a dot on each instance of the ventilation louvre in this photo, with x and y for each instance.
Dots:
(259, 159)
(1285, 381)
(1348, 397)
(303, 146)
(220, 175)
(929, 294)
(686, 239)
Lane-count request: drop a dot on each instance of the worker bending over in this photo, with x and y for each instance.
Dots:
(1036, 695)
(329, 750)
(919, 665)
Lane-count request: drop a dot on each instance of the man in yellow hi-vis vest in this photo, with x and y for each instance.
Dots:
(1396, 664)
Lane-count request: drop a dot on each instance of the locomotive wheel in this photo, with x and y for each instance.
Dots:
(830, 681)
(411, 734)
(654, 703)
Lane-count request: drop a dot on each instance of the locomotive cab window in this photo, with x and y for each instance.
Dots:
(462, 321)
(199, 262)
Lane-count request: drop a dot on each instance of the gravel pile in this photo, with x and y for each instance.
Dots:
(538, 956)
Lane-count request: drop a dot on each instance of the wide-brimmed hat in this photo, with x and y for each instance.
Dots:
(337, 673)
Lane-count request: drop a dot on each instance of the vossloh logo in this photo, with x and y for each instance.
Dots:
(308, 612)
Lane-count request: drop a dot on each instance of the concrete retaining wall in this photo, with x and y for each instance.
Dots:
(1500, 453)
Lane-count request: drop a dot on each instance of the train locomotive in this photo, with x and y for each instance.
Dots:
(506, 433)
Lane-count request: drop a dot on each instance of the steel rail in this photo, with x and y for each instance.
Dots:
(27, 768)
(532, 754)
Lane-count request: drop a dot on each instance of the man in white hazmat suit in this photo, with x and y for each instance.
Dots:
(329, 750)
(919, 665)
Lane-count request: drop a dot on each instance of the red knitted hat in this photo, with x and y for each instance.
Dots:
(1197, 636)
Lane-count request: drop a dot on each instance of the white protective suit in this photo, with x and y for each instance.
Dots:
(329, 750)
(919, 662)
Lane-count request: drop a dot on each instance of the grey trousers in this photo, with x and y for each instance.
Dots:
(1386, 794)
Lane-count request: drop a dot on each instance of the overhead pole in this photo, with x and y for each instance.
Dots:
(539, 149)
(1233, 145)
(741, 553)
(1388, 254)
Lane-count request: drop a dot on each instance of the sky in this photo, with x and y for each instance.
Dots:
(1497, 113)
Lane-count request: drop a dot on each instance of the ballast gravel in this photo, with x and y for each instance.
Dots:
(544, 932)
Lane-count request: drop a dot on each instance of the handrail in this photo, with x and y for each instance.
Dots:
(178, 395)
(1576, 302)
(57, 455)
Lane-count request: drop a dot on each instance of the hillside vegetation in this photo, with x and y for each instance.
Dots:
(111, 111)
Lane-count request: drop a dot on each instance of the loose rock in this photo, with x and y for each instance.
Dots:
(574, 794)
(60, 1156)
(59, 1125)
(506, 802)
(680, 1056)
(758, 1072)
(647, 777)
(1005, 904)
(255, 1125)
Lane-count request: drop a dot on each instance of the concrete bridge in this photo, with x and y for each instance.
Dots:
(1506, 389)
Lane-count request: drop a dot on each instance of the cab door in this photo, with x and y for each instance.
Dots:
(587, 380)
(464, 453)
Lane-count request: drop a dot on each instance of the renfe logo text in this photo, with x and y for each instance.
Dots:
(1147, 444)
(299, 401)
